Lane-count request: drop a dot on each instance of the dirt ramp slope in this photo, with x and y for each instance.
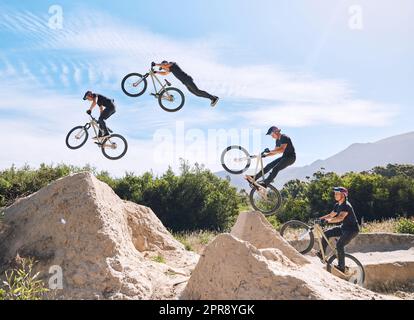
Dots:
(103, 244)
(233, 268)
(254, 228)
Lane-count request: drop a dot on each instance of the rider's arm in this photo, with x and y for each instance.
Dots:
(93, 104)
(163, 73)
(163, 65)
(329, 215)
(277, 150)
(339, 218)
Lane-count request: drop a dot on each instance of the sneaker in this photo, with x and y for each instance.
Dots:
(342, 269)
(249, 177)
(264, 184)
(214, 102)
(249, 180)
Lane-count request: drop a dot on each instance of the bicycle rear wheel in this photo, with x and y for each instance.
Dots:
(114, 147)
(299, 235)
(134, 84)
(235, 159)
(171, 99)
(267, 201)
(76, 137)
(355, 272)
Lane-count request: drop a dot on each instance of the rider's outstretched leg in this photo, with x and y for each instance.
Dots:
(280, 165)
(266, 169)
(192, 87)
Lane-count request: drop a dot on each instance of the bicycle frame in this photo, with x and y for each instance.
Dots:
(259, 161)
(155, 78)
(95, 126)
(319, 235)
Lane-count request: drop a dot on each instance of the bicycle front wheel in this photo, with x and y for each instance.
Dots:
(235, 159)
(76, 137)
(299, 235)
(134, 84)
(267, 201)
(114, 147)
(354, 273)
(171, 99)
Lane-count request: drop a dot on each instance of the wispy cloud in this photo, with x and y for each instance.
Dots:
(346, 113)
(43, 94)
(302, 99)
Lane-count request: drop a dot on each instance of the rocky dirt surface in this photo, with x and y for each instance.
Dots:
(254, 262)
(107, 248)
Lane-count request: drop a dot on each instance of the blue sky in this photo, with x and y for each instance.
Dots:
(295, 64)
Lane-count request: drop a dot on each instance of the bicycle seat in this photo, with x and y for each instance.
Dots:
(168, 83)
(109, 130)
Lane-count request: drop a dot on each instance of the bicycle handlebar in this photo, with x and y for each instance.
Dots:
(320, 222)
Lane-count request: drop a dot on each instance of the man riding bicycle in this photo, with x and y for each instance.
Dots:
(172, 67)
(341, 213)
(283, 145)
(107, 109)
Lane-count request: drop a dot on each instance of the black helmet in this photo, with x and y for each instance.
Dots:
(87, 94)
(272, 129)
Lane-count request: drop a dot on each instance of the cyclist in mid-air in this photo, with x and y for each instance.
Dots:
(283, 145)
(349, 229)
(107, 109)
(173, 67)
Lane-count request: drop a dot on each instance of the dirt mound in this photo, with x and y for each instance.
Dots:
(106, 247)
(254, 228)
(232, 268)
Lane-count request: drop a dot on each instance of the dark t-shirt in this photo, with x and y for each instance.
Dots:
(104, 101)
(350, 222)
(179, 73)
(290, 149)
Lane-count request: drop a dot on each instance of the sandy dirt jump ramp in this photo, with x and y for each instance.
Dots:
(106, 247)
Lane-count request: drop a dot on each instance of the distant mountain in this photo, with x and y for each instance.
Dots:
(357, 157)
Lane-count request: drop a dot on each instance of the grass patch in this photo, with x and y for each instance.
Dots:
(384, 226)
(197, 240)
(400, 225)
(405, 226)
(21, 283)
(159, 258)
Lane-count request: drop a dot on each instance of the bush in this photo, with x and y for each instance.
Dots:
(274, 221)
(380, 194)
(193, 200)
(405, 226)
(21, 283)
